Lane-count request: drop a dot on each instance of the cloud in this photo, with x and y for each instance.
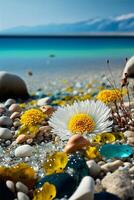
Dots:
(124, 17)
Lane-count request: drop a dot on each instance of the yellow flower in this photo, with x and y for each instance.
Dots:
(32, 117)
(56, 163)
(47, 192)
(109, 96)
(92, 152)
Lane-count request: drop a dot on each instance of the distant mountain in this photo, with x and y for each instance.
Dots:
(120, 24)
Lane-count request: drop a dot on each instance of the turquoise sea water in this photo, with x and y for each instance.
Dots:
(63, 54)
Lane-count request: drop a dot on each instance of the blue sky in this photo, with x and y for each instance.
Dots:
(37, 12)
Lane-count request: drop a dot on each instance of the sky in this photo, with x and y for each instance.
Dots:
(15, 13)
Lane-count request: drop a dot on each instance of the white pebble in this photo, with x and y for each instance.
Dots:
(85, 190)
(10, 185)
(5, 133)
(43, 101)
(22, 196)
(24, 151)
(20, 187)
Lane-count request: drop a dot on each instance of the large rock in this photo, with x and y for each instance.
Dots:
(12, 86)
(129, 68)
(119, 183)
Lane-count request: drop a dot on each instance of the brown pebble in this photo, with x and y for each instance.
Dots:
(14, 115)
(76, 142)
(14, 108)
(48, 110)
(21, 138)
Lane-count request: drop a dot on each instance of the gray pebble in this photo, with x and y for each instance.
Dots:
(5, 133)
(5, 121)
(9, 102)
(20, 187)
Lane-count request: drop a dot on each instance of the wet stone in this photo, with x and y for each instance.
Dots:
(78, 164)
(116, 151)
(65, 183)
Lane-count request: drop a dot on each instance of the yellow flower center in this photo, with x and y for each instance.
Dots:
(81, 123)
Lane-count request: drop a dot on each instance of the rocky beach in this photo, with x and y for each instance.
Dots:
(74, 140)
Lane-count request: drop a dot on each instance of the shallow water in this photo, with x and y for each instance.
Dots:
(52, 58)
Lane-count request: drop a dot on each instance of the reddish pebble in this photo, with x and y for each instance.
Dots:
(21, 138)
(14, 108)
(14, 115)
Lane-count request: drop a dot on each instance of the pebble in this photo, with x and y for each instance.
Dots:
(22, 196)
(112, 166)
(10, 185)
(130, 141)
(24, 151)
(14, 115)
(129, 133)
(85, 190)
(16, 123)
(127, 164)
(20, 187)
(9, 102)
(5, 133)
(5, 121)
(43, 101)
(131, 170)
(76, 142)
(94, 168)
(119, 183)
(14, 108)
(48, 110)
(21, 138)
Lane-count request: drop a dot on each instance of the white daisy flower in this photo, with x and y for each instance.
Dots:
(84, 117)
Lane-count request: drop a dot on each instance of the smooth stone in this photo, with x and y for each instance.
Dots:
(94, 168)
(10, 185)
(5, 121)
(129, 68)
(65, 183)
(21, 138)
(116, 151)
(14, 115)
(22, 196)
(9, 102)
(14, 108)
(5, 133)
(48, 110)
(85, 190)
(20, 187)
(112, 166)
(43, 101)
(5, 193)
(78, 164)
(129, 133)
(12, 86)
(131, 170)
(105, 196)
(119, 183)
(130, 141)
(75, 143)
(24, 151)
